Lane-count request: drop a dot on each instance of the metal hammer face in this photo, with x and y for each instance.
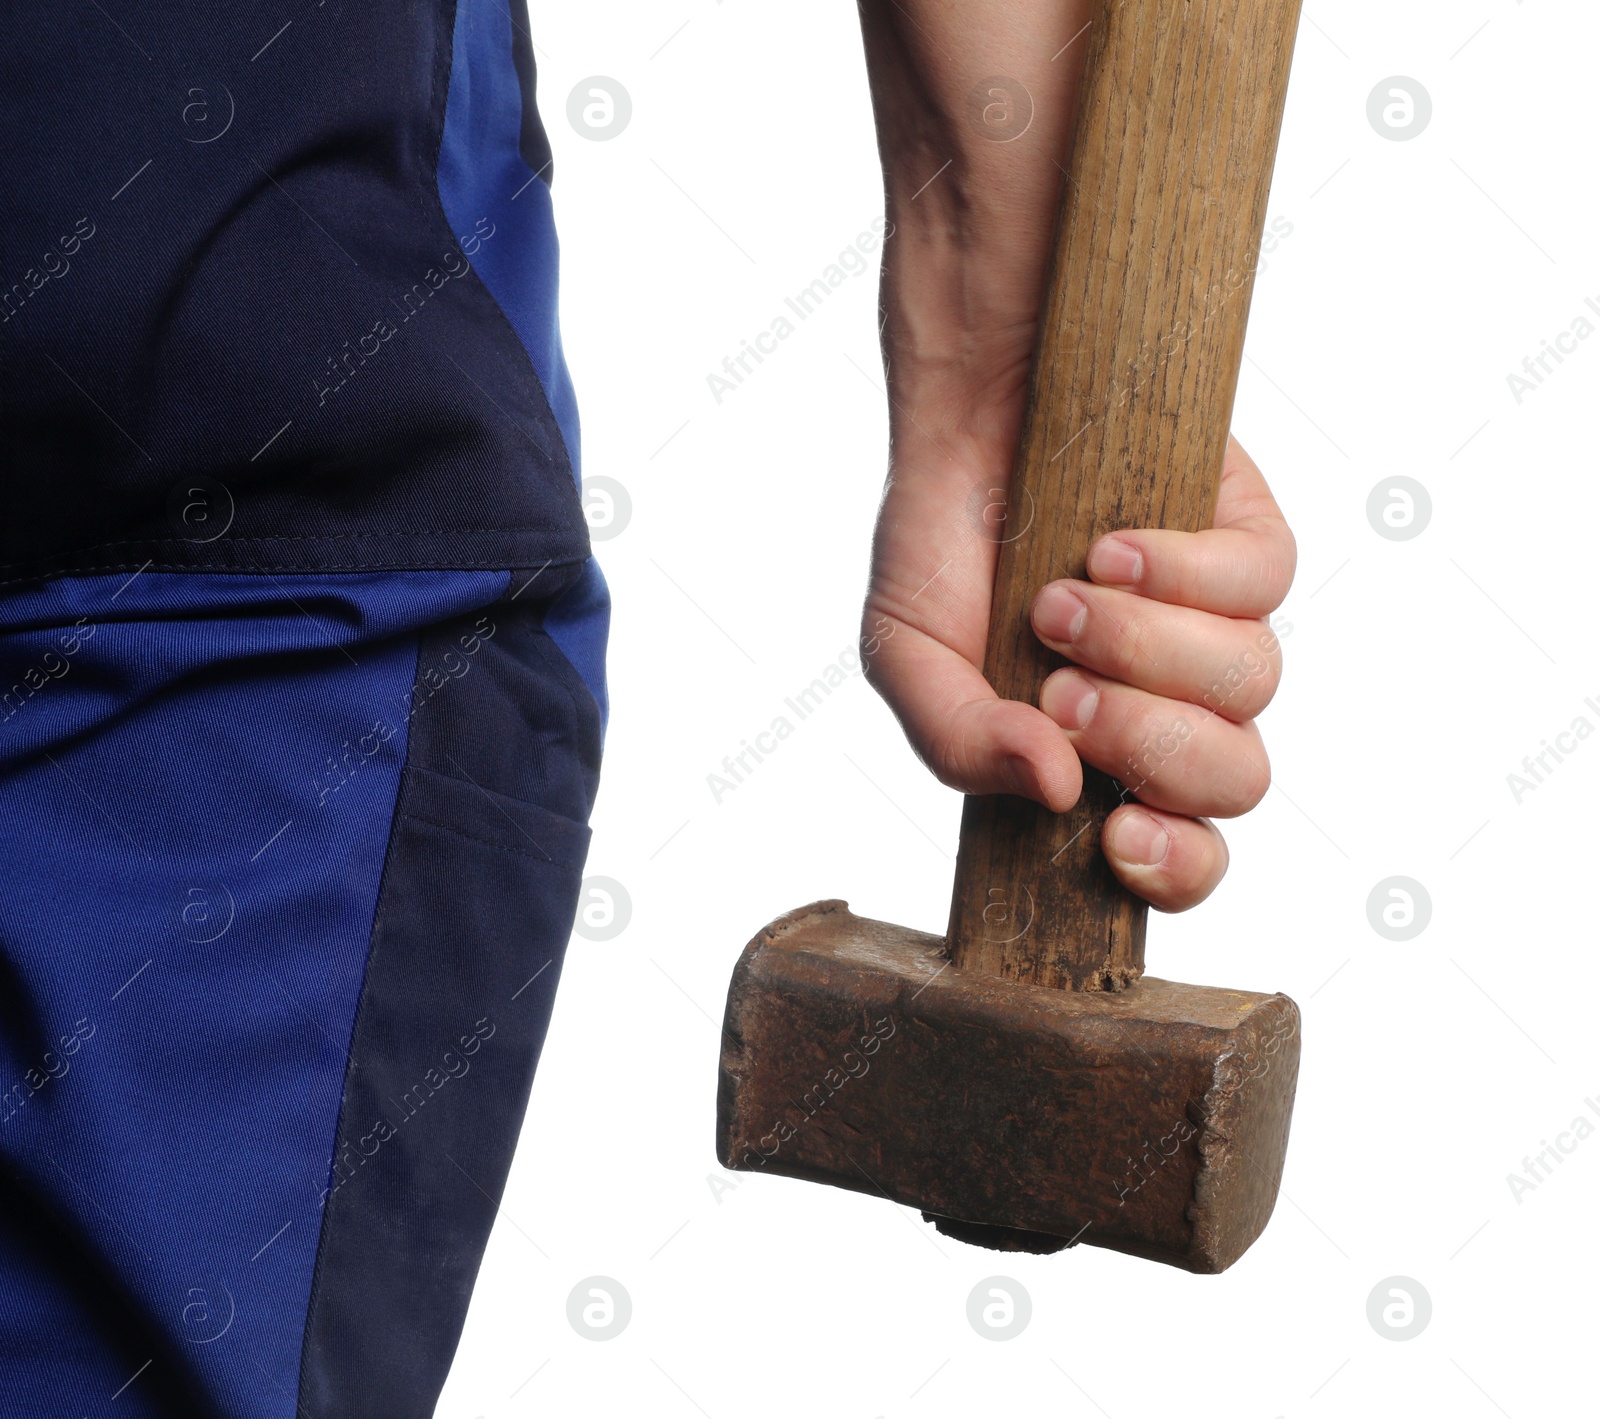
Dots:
(1151, 1120)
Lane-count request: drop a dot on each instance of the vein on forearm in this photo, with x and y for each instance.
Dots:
(972, 216)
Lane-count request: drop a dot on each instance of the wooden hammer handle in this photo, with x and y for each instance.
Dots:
(1140, 343)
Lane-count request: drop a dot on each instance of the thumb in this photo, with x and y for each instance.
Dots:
(968, 736)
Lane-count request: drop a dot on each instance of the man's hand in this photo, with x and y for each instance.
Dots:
(1167, 639)
(1169, 631)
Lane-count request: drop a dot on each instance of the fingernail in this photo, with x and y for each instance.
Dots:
(1069, 699)
(1138, 840)
(1115, 563)
(1059, 612)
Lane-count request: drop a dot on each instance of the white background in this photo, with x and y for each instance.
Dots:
(1417, 277)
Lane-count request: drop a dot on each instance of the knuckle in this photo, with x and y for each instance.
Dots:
(1216, 855)
(1252, 779)
(945, 756)
(1267, 689)
(1254, 697)
(1289, 559)
(1262, 564)
(1247, 684)
(1204, 868)
(951, 755)
(1188, 582)
(1257, 580)
(1150, 745)
(1132, 644)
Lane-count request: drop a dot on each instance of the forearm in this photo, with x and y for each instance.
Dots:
(972, 177)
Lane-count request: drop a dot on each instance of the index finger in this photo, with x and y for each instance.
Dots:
(1242, 566)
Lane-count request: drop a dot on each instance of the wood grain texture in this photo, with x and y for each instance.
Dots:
(1141, 340)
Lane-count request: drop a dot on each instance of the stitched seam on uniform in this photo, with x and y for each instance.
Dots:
(556, 661)
(547, 860)
(380, 909)
(214, 569)
(313, 537)
(528, 375)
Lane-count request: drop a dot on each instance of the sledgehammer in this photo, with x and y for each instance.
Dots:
(1020, 1080)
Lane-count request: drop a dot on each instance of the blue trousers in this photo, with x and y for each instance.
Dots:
(287, 867)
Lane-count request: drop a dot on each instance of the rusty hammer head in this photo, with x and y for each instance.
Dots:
(1018, 1079)
(1152, 1120)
